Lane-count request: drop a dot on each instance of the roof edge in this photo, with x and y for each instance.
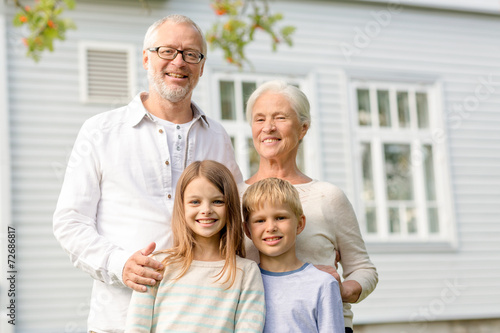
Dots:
(478, 6)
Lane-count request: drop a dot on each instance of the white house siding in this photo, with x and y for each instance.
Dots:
(5, 208)
(455, 49)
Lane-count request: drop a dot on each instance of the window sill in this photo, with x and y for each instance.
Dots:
(410, 247)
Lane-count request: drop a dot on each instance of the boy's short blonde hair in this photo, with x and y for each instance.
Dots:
(272, 191)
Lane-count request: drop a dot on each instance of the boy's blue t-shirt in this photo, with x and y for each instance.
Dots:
(303, 300)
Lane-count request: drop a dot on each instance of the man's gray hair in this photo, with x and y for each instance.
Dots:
(175, 18)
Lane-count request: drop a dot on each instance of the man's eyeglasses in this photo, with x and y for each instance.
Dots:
(168, 53)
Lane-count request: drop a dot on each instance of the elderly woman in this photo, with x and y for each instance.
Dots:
(280, 118)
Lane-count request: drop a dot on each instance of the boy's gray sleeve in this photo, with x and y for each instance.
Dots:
(330, 310)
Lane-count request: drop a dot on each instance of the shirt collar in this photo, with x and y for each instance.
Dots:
(139, 112)
(198, 113)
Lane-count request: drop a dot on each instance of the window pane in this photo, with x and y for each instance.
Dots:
(227, 100)
(253, 157)
(430, 183)
(403, 109)
(364, 107)
(422, 110)
(411, 221)
(366, 153)
(394, 226)
(371, 220)
(398, 172)
(384, 111)
(432, 215)
(248, 88)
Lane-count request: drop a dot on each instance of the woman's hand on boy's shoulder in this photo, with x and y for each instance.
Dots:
(350, 290)
(333, 272)
(330, 270)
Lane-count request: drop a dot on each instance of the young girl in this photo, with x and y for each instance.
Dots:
(207, 286)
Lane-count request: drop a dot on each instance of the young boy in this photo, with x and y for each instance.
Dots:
(299, 297)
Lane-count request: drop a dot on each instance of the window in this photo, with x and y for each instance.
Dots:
(400, 197)
(232, 93)
(107, 72)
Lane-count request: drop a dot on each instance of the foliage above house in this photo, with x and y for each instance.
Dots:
(235, 26)
(45, 24)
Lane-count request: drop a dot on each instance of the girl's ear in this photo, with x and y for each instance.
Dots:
(301, 224)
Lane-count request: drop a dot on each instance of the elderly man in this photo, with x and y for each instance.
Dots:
(118, 191)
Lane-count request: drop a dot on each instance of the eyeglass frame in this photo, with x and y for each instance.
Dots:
(155, 49)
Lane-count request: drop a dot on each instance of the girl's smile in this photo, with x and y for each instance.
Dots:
(206, 222)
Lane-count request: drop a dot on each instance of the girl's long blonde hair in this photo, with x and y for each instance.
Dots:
(231, 235)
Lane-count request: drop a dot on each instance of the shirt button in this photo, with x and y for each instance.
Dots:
(180, 137)
(178, 148)
(178, 127)
(169, 196)
(161, 131)
(167, 162)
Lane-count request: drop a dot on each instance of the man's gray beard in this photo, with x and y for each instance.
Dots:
(171, 94)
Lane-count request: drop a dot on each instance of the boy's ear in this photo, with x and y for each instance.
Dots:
(301, 224)
(247, 230)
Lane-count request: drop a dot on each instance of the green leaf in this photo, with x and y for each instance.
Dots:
(68, 23)
(51, 33)
(71, 4)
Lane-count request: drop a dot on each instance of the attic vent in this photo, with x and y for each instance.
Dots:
(107, 73)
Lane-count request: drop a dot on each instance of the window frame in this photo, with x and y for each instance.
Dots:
(377, 137)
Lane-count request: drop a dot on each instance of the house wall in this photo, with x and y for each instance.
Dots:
(5, 208)
(459, 51)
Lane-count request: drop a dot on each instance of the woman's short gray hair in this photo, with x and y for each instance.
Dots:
(175, 18)
(297, 99)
